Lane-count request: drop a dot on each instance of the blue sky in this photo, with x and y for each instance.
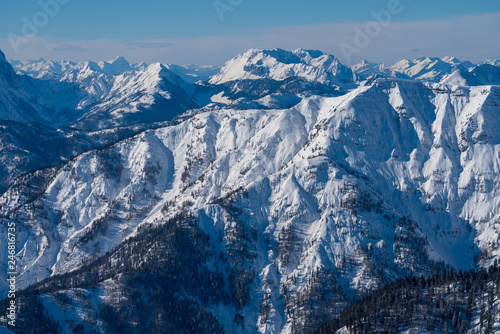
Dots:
(194, 31)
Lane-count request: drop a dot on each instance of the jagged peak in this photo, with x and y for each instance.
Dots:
(310, 53)
(156, 67)
(451, 60)
(278, 54)
(427, 59)
(279, 64)
(364, 63)
(404, 62)
(299, 55)
(140, 66)
(283, 56)
(457, 78)
(161, 71)
(494, 62)
(117, 60)
(116, 66)
(91, 65)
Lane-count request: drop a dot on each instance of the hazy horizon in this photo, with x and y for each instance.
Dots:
(212, 32)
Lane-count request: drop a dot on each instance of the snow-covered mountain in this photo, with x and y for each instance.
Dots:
(27, 147)
(427, 69)
(154, 94)
(25, 99)
(433, 70)
(43, 69)
(193, 73)
(278, 64)
(93, 96)
(48, 69)
(148, 91)
(484, 74)
(494, 62)
(287, 185)
(278, 78)
(254, 79)
(116, 66)
(243, 82)
(303, 208)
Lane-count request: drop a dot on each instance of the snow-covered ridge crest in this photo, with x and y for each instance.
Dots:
(279, 64)
(92, 95)
(71, 94)
(434, 69)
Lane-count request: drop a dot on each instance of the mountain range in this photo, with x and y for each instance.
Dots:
(264, 196)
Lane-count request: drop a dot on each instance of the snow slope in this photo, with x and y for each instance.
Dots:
(19, 97)
(154, 94)
(279, 79)
(339, 194)
(484, 74)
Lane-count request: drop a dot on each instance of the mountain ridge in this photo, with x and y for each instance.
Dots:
(292, 211)
(328, 183)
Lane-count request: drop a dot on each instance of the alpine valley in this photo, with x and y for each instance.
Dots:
(270, 195)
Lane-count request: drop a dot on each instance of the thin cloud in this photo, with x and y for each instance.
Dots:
(148, 45)
(69, 48)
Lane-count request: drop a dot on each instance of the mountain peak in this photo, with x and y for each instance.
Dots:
(160, 71)
(312, 53)
(451, 60)
(156, 67)
(116, 66)
(278, 64)
(279, 55)
(457, 78)
(364, 63)
(494, 62)
(140, 66)
(118, 60)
